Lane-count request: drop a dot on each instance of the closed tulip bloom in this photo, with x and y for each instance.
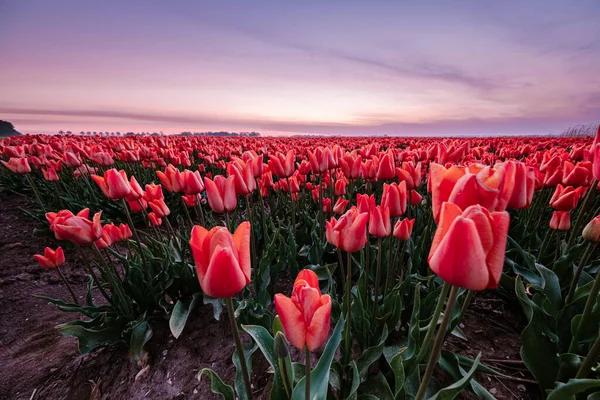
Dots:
(326, 205)
(410, 174)
(71, 160)
(403, 228)
(561, 220)
(77, 229)
(282, 166)
(102, 158)
(340, 187)
(349, 233)
(394, 197)
(306, 316)
(321, 159)
(51, 258)
(351, 166)
(415, 197)
(243, 176)
(136, 190)
(222, 259)
(137, 206)
(340, 206)
(368, 170)
(595, 150)
(468, 247)
(520, 182)
(591, 232)
(575, 175)
(365, 203)
(50, 175)
(294, 185)
(386, 168)
(379, 222)
(192, 182)
(221, 193)
(154, 219)
(553, 178)
(114, 184)
(190, 200)
(159, 207)
(153, 192)
(112, 234)
(17, 165)
(565, 198)
(171, 179)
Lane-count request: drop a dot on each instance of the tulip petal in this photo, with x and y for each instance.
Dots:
(224, 277)
(318, 330)
(448, 213)
(309, 277)
(291, 320)
(241, 239)
(495, 257)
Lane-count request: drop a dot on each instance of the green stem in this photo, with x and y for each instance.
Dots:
(341, 264)
(582, 211)
(347, 335)
(590, 360)
(377, 278)
(587, 311)
(68, 285)
(93, 274)
(227, 220)
(306, 373)
(437, 344)
(238, 345)
(588, 251)
(434, 320)
(36, 193)
(137, 238)
(293, 207)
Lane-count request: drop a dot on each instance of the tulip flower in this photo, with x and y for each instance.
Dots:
(349, 233)
(591, 232)
(50, 175)
(243, 177)
(51, 258)
(190, 200)
(102, 158)
(77, 229)
(114, 184)
(340, 206)
(192, 182)
(306, 316)
(321, 160)
(385, 169)
(171, 179)
(566, 198)
(365, 203)
(72, 160)
(340, 187)
(221, 193)
(415, 197)
(17, 165)
(403, 229)
(136, 193)
(575, 175)
(394, 197)
(468, 246)
(410, 174)
(154, 219)
(561, 220)
(351, 166)
(159, 207)
(153, 192)
(222, 259)
(326, 205)
(379, 222)
(520, 181)
(282, 166)
(369, 170)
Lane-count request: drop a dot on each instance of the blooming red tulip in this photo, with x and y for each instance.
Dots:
(340, 187)
(321, 160)
(306, 316)
(243, 177)
(282, 166)
(190, 200)
(78, 228)
(153, 192)
(51, 258)
(50, 175)
(17, 165)
(379, 222)
(171, 179)
(410, 174)
(72, 160)
(468, 246)
(222, 259)
(565, 198)
(385, 169)
(394, 197)
(159, 207)
(349, 233)
(403, 228)
(221, 193)
(575, 175)
(154, 219)
(520, 181)
(136, 190)
(561, 220)
(415, 197)
(192, 182)
(351, 166)
(114, 184)
(365, 203)
(340, 206)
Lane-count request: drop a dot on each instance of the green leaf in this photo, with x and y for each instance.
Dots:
(569, 390)
(240, 387)
(355, 381)
(377, 387)
(139, 337)
(93, 333)
(398, 369)
(216, 384)
(450, 392)
(217, 305)
(319, 377)
(370, 355)
(180, 314)
(266, 344)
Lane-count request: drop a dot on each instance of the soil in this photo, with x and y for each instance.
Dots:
(38, 363)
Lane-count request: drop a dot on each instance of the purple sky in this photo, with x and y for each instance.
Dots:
(384, 67)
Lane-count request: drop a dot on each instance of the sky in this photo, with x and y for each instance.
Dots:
(432, 68)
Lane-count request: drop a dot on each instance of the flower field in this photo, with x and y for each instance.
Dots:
(317, 268)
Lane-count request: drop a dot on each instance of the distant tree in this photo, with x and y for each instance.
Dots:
(7, 129)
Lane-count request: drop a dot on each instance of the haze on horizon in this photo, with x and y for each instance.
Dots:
(344, 68)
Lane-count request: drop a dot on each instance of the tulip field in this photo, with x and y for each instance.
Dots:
(302, 268)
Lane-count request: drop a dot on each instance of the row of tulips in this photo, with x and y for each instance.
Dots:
(396, 237)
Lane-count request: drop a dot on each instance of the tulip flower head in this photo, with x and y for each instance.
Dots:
(306, 316)
(221, 193)
(51, 258)
(349, 233)
(222, 259)
(468, 246)
(17, 165)
(77, 229)
(591, 232)
(403, 228)
(114, 184)
(561, 220)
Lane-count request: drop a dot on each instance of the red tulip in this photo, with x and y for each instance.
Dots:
(379, 222)
(50, 175)
(565, 198)
(468, 246)
(520, 181)
(410, 174)
(365, 203)
(321, 160)
(561, 220)
(154, 220)
(136, 190)
(222, 259)
(282, 166)
(575, 175)
(51, 258)
(340, 187)
(153, 192)
(171, 179)
(326, 205)
(221, 193)
(415, 197)
(349, 233)
(340, 206)
(243, 177)
(394, 197)
(78, 228)
(17, 165)
(403, 228)
(192, 182)
(306, 316)
(351, 166)
(190, 200)
(385, 169)
(114, 184)
(159, 207)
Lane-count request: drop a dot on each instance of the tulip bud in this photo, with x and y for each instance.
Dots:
(591, 232)
(281, 346)
(561, 220)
